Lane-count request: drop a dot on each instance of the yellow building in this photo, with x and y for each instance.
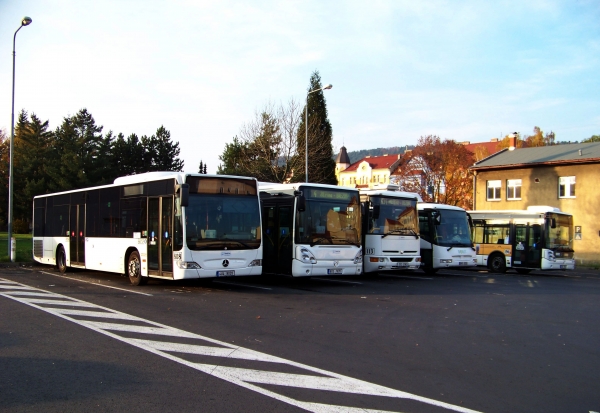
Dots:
(368, 172)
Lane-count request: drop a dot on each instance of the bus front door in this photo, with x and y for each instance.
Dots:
(76, 235)
(277, 239)
(160, 247)
(527, 248)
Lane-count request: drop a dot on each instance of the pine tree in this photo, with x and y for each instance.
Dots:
(321, 163)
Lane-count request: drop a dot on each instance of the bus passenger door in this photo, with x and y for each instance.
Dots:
(160, 250)
(76, 235)
(527, 248)
(277, 239)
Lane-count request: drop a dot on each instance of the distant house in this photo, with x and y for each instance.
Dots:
(365, 173)
(562, 176)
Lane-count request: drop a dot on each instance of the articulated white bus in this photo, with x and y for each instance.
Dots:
(538, 238)
(310, 229)
(167, 225)
(390, 230)
(445, 237)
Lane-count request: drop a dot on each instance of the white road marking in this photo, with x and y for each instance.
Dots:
(99, 285)
(246, 378)
(242, 285)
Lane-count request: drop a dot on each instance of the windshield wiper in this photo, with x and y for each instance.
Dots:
(347, 241)
(318, 241)
(400, 231)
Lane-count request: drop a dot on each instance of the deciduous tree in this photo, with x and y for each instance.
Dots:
(438, 171)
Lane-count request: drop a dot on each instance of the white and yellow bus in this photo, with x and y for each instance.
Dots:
(538, 238)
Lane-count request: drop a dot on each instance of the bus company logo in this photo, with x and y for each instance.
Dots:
(225, 263)
(336, 263)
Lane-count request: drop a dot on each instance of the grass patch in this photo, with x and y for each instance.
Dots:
(24, 251)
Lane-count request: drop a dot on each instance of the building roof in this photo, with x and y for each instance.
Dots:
(490, 146)
(570, 153)
(376, 162)
(342, 156)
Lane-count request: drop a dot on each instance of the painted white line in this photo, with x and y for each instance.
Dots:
(99, 285)
(246, 378)
(337, 281)
(405, 276)
(242, 285)
(57, 302)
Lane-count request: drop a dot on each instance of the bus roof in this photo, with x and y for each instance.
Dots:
(430, 205)
(395, 194)
(145, 177)
(272, 186)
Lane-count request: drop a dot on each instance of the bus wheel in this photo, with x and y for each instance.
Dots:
(134, 269)
(496, 263)
(61, 259)
(523, 271)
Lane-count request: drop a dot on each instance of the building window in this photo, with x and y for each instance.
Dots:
(493, 190)
(513, 189)
(566, 187)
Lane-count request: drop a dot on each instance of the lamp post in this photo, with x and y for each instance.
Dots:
(306, 127)
(26, 21)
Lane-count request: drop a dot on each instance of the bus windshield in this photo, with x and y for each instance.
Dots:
(453, 230)
(396, 216)
(222, 222)
(330, 218)
(560, 238)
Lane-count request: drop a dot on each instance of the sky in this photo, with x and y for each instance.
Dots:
(467, 70)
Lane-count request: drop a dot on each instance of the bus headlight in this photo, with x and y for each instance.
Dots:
(446, 261)
(307, 256)
(188, 265)
(255, 263)
(358, 258)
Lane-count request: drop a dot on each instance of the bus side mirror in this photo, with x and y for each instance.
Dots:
(183, 191)
(301, 203)
(376, 211)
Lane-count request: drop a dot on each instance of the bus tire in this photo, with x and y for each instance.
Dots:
(134, 269)
(61, 259)
(497, 263)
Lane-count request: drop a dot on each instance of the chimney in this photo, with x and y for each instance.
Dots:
(512, 141)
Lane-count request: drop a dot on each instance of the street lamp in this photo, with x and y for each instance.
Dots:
(306, 127)
(11, 250)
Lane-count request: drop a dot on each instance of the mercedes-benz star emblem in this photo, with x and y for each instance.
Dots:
(225, 263)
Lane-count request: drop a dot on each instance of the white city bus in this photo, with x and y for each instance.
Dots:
(165, 225)
(539, 238)
(310, 229)
(445, 237)
(390, 230)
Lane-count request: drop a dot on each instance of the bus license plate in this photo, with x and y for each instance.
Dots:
(563, 267)
(225, 273)
(335, 271)
(400, 264)
(463, 263)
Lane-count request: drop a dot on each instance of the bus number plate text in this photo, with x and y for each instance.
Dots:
(334, 271)
(225, 273)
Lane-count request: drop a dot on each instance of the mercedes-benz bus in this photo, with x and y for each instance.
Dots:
(310, 229)
(445, 237)
(166, 225)
(390, 230)
(538, 238)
